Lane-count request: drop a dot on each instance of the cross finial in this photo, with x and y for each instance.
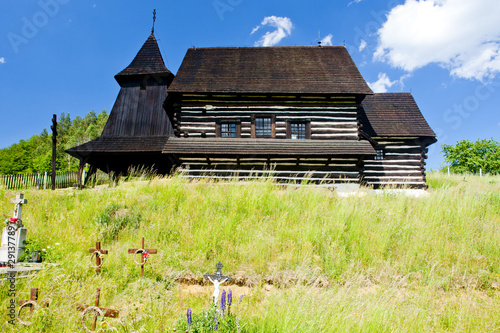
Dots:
(154, 19)
(219, 268)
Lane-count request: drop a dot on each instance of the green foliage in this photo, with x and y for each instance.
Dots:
(30, 246)
(35, 155)
(114, 219)
(210, 320)
(467, 156)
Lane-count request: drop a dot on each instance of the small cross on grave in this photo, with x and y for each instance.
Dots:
(31, 303)
(144, 255)
(101, 312)
(217, 279)
(19, 201)
(97, 252)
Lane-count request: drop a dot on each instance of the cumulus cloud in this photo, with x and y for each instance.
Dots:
(327, 41)
(362, 45)
(381, 85)
(2, 60)
(283, 29)
(462, 36)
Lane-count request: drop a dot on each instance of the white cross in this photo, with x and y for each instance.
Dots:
(19, 201)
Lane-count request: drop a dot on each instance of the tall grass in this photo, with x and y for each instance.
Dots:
(306, 259)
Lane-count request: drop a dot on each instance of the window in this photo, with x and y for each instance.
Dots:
(380, 154)
(228, 130)
(263, 127)
(298, 130)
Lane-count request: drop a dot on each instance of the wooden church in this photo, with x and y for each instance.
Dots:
(286, 113)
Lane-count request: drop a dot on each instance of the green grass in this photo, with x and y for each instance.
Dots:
(306, 260)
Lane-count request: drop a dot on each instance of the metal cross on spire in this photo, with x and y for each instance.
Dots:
(154, 19)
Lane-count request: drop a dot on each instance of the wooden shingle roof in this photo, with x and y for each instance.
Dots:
(393, 114)
(117, 145)
(147, 61)
(266, 147)
(303, 70)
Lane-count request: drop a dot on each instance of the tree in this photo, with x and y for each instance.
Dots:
(467, 156)
(35, 155)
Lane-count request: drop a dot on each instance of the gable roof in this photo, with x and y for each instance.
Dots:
(147, 61)
(393, 114)
(303, 69)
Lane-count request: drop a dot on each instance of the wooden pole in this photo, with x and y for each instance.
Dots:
(54, 145)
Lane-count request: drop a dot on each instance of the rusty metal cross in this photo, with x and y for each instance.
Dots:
(103, 312)
(97, 252)
(144, 255)
(31, 303)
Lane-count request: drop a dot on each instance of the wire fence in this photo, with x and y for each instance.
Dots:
(43, 181)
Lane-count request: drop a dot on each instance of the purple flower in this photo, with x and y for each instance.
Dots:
(241, 298)
(230, 297)
(223, 300)
(188, 315)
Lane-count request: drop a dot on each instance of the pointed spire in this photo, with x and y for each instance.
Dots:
(154, 19)
(148, 61)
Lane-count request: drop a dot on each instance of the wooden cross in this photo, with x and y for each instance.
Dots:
(97, 251)
(101, 311)
(217, 279)
(19, 201)
(31, 303)
(142, 251)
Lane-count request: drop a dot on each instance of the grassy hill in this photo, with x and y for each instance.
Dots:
(305, 259)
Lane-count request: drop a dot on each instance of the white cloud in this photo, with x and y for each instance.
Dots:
(2, 60)
(403, 78)
(354, 1)
(462, 36)
(254, 30)
(327, 41)
(283, 27)
(362, 45)
(381, 85)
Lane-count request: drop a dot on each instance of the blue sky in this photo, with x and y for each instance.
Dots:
(61, 55)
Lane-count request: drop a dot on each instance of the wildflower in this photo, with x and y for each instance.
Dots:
(58, 244)
(230, 298)
(241, 298)
(223, 300)
(188, 315)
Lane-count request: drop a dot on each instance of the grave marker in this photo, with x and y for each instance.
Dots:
(14, 234)
(97, 252)
(217, 279)
(102, 312)
(144, 255)
(32, 303)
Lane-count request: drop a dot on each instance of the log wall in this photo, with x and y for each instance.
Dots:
(330, 118)
(403, 164)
